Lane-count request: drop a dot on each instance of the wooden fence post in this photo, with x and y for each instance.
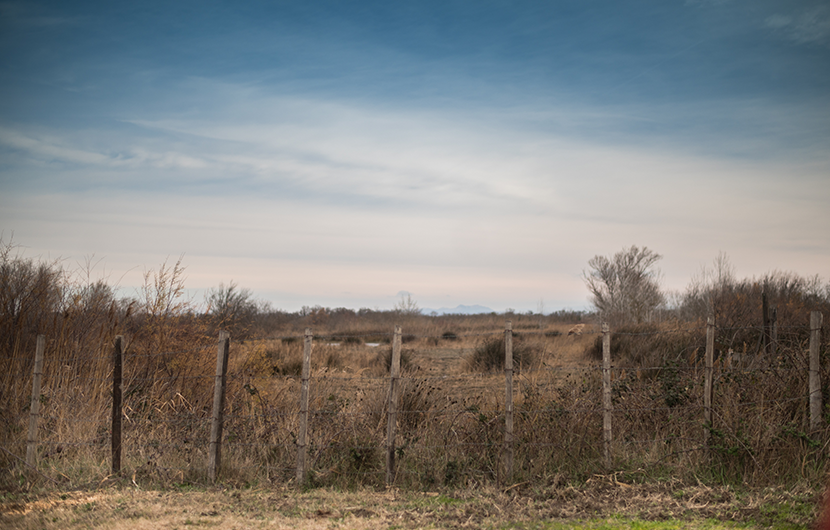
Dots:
(392, 417)
(303, 434)
(215, 449)
(606, 394)
(508, 401)
(766, 322)
(815, 370)
(34, 410)
(117, 367)
(708, 373)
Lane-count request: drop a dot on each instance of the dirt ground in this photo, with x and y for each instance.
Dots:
(616, 504)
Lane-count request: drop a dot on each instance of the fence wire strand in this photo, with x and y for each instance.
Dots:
(244, 421)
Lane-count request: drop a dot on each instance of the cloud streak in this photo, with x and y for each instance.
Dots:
(811, 26)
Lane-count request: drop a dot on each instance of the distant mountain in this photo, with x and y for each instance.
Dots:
(458, 310)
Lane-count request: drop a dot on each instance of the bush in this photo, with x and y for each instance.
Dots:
(385, 358)
(291, 367)
(347, 338)
(232, 309)
(415, 402)
(645, 345)
(489, 355)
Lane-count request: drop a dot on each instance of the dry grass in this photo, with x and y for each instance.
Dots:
(603, 502)
(450, 424)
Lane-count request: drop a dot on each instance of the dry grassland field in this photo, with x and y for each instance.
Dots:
(600, 504)
(760, 469)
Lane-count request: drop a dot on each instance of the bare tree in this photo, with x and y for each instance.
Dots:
(406, 305)
(707, 286)
(626, 287)
(232, 308)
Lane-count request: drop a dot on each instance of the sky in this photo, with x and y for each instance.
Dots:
(341, 153)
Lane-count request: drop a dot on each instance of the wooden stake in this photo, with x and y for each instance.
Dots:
(215, 450)
(392, 418)
(117, 365)
(34, 410)
(815, 370)
(606, 393)
(303, 434)
(708, 373)
(508, 401)
(767, 323)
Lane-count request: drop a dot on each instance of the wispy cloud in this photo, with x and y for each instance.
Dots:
(530, 158)
(806, 27)
(63, 149)
(50, 149)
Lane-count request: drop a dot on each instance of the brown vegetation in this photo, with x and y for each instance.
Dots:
(602, 502)
(451, 416)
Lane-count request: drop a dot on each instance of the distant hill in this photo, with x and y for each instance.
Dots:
(458, 310)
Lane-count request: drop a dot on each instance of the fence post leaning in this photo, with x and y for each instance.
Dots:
(117, 368)
(606, 394)
(392, 419)
(508, 400)
(215, 449)
(303, 434)
(708, 374)
(34, 410)
(816, 318)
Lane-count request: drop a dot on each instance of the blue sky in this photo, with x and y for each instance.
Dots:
(338, 153)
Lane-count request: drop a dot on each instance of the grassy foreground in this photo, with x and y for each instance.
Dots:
(597, 506)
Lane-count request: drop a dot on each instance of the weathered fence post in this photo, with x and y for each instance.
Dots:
(34, 410)
(766, 322)
(303, 434)
(606, 394)
(815, 370)
(392, 419)
(508, 401)
(117, 367)
(708, 373)
(215, 450)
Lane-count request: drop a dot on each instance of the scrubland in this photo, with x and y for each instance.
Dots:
(450, 452)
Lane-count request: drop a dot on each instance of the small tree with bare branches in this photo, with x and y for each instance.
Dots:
(625, 288)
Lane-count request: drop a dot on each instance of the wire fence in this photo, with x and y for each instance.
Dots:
(318, 424)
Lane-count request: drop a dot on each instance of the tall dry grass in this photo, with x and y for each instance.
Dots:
(166, 357)
(451, 418)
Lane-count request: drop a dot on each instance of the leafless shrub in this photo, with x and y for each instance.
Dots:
(625, 288)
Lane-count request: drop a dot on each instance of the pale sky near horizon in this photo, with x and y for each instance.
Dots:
(466, 152)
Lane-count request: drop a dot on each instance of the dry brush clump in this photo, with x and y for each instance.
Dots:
(489, 354)
(165, 350)
(759, 434)
(650, 345)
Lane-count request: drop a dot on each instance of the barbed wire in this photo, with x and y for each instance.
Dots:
(237, 438)
(489, 413)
